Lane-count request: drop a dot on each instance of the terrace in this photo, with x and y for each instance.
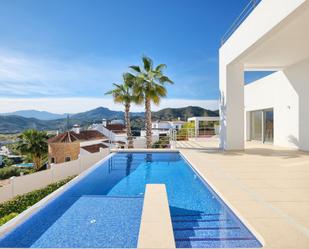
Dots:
(266, 185)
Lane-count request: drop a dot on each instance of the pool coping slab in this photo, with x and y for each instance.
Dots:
(156, 230)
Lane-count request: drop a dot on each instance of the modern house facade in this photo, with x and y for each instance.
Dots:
(274, 109)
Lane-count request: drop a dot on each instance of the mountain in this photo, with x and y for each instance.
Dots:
(42, 115)
(99, 113)
(183, 113)
(15, 123)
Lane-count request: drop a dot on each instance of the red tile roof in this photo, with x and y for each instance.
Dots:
(71, 136)
(116, 128)
(94, 147)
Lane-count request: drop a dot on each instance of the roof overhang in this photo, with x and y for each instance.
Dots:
(285, 45)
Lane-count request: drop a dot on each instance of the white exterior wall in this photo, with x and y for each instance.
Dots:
(234, 58)
(287, 92)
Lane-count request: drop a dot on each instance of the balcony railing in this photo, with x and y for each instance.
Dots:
(161, 140)
(239, 20)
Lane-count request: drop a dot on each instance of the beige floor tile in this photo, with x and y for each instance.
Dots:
(267, 185)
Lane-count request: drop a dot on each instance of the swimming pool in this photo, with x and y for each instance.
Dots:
(103, 209)
(24, 165)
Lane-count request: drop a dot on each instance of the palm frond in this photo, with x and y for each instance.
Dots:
(135, 68)
(160, 67)
(147, 63)
(164, 79)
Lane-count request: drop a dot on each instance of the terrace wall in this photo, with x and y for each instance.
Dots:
(24, 184)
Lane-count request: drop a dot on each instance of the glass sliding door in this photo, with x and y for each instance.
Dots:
(256, 125)
(262, 125)
(269, 126)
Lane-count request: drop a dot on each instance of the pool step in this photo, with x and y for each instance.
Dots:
(210, 230)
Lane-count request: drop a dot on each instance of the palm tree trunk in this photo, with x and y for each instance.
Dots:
(128, 125)
(148, 123)
(37, 163)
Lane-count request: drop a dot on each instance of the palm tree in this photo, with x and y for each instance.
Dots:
(123, 93)
(33, 144)
(150, 85)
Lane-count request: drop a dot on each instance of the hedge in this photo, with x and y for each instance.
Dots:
(10, 171)
(18, 204)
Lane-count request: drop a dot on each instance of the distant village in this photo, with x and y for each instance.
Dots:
(76, 142)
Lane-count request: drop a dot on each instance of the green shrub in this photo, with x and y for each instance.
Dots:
(8, 172)
(8, 217)
(163, 143)
(21, 202)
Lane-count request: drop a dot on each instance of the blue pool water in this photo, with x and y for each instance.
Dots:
(24, 165)
(103, 209)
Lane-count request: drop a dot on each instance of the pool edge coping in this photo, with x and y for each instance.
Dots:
(242, 219)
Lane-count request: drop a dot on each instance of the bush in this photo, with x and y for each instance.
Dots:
(8, 217)
(163, 143)
(21, 202)
(8, 172)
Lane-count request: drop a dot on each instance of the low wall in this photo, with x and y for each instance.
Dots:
(24, 184)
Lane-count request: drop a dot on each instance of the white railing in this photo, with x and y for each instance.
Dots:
(163, 138)
(239, 20)
(26, 183)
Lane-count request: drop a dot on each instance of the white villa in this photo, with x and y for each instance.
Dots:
(162, 128)
(274, 109)
(115, 131)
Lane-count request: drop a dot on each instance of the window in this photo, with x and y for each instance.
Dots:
(67, 159)
(262, 125)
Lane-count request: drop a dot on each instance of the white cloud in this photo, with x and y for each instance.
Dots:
(33, 76)
(75, 105)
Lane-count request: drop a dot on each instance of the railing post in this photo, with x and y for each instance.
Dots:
(110, 140)
(175, 138)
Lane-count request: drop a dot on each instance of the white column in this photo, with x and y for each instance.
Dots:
(231, 106)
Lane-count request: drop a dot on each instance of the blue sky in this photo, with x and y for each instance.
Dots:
(76, 49)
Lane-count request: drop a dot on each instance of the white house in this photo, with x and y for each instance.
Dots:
(274, 109)
(115, 132)
(163, 128)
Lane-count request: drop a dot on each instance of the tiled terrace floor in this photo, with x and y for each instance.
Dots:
(268, 186)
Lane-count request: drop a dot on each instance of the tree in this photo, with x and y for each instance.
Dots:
(33, 144)
(150, 86)
(123, 93)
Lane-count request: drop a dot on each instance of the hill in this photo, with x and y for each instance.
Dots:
(15, 123)
(42, 115)
(183, 113)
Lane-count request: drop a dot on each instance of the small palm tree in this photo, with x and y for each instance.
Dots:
(33, 143)
(150, 85)
(123, 93)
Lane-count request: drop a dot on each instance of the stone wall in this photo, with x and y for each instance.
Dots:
(59, 151)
